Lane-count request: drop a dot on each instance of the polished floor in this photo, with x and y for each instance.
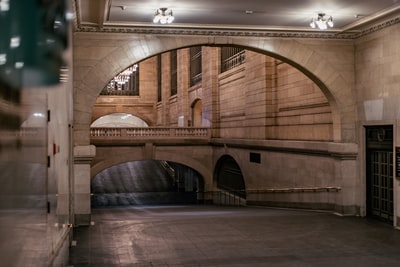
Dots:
(231, 236)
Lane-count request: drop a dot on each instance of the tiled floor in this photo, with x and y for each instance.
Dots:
(229, 236)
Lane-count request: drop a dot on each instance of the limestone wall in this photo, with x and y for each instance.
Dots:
(377, 58)
(314, 175)
(263, 98)
(99, 56)
(250, 109)
(378, 76)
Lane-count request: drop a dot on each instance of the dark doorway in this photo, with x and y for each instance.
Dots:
(379, 172)
(147, 182)
(229, 176)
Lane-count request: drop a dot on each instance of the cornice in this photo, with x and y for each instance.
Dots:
(186, 31)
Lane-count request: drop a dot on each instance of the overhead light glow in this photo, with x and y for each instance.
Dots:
(38, 114)
(3, 59)
(15, 41)
(4, 5)
(19, 65)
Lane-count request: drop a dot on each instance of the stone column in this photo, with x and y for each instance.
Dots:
(210, 100)
(83, 156)
(183, 83)
(349, 200)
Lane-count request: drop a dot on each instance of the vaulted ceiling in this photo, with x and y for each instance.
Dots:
(234, 15)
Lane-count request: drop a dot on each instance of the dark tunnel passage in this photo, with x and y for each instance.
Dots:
(148, 182)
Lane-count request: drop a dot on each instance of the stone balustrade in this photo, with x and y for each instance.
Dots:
(143, 133)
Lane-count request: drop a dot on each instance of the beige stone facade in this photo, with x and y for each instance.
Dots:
(301, 104)
(312, 120)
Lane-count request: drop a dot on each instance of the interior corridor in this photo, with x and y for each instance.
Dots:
(200, 235)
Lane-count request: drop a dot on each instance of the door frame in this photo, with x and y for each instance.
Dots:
(381, 145)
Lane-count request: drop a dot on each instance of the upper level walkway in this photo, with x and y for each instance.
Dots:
(132, 135)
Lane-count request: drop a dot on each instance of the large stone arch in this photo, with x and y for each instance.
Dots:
(106, 158)
(329, 63)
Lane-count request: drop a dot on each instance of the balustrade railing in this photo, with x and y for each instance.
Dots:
(235, 60)
(149, 132)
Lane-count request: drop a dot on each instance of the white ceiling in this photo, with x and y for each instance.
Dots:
(282, 15)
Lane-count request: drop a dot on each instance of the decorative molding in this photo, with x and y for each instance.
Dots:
(316, 105)
(378, 27)
(84, 154)
(83, 159)
(238, 32)
(285, 147)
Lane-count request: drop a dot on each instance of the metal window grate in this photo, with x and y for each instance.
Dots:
(195, 65)
(231, 57)
(159, 80)
(174, 72)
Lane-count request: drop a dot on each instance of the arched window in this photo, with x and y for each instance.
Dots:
(119, 120)
(197, 114)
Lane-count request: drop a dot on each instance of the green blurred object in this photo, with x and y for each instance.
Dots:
(33, 37)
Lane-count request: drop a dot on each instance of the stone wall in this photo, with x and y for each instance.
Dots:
(99, 56)
(295, 174)
(321, 114)
(263, 98)
(377, 58)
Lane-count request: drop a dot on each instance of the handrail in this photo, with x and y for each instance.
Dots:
(296, 189)
(239, 197)
(224, 197)
(168, 168)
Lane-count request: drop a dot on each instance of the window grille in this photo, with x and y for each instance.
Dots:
(195, 65)
(159, 74)
(174, 72)
(231, 57)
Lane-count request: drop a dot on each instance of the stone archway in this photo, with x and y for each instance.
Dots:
(110, 156)
(99, 56)
(328, 64)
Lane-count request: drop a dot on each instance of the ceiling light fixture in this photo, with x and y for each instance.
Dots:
(322, 22)
(124, 76)
(163, 15)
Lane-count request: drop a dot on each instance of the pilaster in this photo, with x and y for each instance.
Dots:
(83, 156)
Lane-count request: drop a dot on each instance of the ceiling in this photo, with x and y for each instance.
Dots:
(259, 15)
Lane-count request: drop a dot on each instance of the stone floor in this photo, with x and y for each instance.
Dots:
(231, 236)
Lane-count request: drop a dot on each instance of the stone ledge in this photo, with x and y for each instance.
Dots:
(330, 149)
(84, 154)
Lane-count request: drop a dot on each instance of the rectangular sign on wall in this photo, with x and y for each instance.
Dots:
(255, 157)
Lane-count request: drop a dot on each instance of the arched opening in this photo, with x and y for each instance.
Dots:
(269, 95)
(229, 177)
(332, 91)
(119, 120)
(197, 113)
(147, 182)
